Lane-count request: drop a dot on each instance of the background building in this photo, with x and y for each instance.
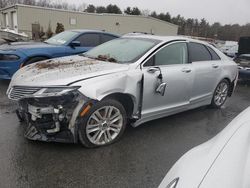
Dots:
(33, 19)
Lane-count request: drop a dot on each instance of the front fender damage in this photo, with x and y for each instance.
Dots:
(129, 83)
(57, 118)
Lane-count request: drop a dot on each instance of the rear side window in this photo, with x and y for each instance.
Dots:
(89, 39)
(106, 38)
(213, 54)
(198, 52)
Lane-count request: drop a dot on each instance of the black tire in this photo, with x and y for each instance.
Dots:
(214, 104)
(34, 59)
(82, 132)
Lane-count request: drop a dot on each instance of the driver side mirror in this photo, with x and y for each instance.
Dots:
(161, 86)
(75, 43)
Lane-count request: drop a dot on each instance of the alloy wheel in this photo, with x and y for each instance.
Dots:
(221, 94)
(104, 125)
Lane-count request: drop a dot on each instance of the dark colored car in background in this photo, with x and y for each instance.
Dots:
(243, 58)
(243, 62)
(18, 54)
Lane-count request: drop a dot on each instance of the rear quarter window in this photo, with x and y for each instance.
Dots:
(214, 55)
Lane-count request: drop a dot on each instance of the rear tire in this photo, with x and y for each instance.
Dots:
(103, 125)
(220, 94)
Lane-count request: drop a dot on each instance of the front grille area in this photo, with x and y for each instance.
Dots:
(18, 92)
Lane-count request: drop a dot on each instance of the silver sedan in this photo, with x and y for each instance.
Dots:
(133, 79)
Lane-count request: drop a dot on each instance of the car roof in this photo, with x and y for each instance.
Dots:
(164, 38)
(90, 30)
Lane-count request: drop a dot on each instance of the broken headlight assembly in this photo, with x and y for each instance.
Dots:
(55, 91)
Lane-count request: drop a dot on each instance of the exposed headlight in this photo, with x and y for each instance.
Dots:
(8, 57)
(173, 183)
(55, 91)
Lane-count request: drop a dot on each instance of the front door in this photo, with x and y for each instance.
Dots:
(172, 62)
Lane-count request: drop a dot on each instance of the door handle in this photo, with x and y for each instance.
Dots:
(186, 70)
(215, 66)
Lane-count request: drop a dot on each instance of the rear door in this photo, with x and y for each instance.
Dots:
(207, 69)
(177, 73)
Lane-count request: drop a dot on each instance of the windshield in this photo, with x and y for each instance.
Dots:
(122, 50)
(62, 38)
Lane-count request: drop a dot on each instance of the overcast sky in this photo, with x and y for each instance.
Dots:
(224, 11)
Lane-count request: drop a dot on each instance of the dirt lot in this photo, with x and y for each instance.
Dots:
(140, 159)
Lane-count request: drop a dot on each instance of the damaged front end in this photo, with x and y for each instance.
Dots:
(51, 114)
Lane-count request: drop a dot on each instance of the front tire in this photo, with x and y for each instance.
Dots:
(104, 124)
(220, 94)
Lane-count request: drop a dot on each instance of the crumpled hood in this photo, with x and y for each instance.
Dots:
(63, 71)
(24, 45)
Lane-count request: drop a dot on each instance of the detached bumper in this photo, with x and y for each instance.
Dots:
(51, 119)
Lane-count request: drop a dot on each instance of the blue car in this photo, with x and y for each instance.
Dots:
(18, 54)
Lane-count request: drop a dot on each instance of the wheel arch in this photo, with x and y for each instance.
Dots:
(125, 99)
(231, 85)
(35, 56)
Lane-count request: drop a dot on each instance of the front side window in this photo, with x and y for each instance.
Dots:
(170, 55)
(198, 52)
(89, 39)
(122, 50)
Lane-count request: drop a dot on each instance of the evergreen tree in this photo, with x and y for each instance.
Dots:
(59, 28)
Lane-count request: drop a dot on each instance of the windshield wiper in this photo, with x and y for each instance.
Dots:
(106, 58)
(101, 58)
(84, 55)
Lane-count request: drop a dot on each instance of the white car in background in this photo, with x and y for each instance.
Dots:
(222, 162)
(231, 52)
